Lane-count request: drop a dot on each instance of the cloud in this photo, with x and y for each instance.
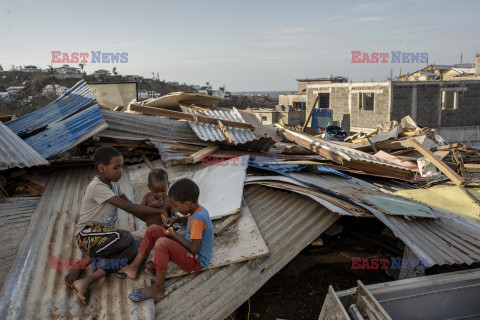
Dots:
(367, 19)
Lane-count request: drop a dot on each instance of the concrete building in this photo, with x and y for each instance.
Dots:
(289, 115)
(297, 101)
(13, 91)
(455, 72)
(31, 69)
(437, 104)
(50, 91)
(420, 75)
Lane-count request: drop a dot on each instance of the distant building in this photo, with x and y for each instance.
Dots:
(144, 94)
(13, 91)
(273, 115)
(173, 83)
(303, 83)
(50, 91)
(420, 75)
(4, 96)
(454, 72)
(102, 73)
(31, 69)
(66, 69)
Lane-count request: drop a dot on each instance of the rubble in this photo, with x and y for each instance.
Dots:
(280, 185)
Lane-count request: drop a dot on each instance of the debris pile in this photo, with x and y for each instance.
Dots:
(270, 190)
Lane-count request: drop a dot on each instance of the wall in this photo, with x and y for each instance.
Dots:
(469, 135)
(289, 99)
(423, 101)
(344, 101)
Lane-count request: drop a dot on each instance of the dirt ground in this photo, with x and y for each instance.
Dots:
(299, 289)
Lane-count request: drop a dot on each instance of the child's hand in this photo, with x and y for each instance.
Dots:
(156, 204)
(168, 221)
(170, 232)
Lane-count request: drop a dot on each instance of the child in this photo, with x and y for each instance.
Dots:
(191, 253)
(157, 197)
(95, 231)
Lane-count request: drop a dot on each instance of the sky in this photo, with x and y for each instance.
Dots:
(244, 45)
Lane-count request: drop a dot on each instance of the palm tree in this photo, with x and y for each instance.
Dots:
(114, 71)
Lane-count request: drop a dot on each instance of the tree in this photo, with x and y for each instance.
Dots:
(81, 65)
(50, 69)
(114, 71)
(1, 68)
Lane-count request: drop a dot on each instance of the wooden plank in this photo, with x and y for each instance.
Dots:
(226, 224)
(450, 146)
(185, 116)
(224, 131)
(459, 181)
(472, 167)
(147, 162)
(242, 242)
(311, 146)
(310, 113)
(460, 164)
(442, 153)
(198, 156)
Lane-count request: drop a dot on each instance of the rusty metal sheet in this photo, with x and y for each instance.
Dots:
(33, 290)
(288, 223)
(14, 152)
(15, 217)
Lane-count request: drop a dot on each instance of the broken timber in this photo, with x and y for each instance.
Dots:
(459, 181)
(198, 156)
(226, 224)
(338, 154)
(189, 117)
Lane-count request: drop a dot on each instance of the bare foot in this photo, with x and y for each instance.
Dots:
(153, 292)
(150, 270)
(73, 274)
(131, 271)
(82, 288)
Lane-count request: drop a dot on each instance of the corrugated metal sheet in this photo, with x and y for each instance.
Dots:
(66, 134)
(33, 290)
(210, 132)
(288, 223)
(128, 125)
(14, 220)
(14, 152)
(450, 239)
(77, 97)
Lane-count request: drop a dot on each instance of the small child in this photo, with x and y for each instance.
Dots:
(191, 253)
(157, 198)
(95, 231)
